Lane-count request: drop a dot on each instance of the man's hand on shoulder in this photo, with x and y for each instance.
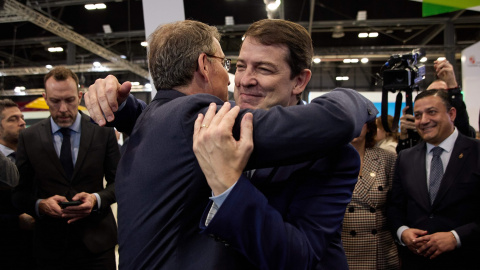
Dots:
(221, 157)
(104, 97)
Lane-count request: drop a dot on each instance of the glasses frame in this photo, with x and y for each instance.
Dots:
(225, 61)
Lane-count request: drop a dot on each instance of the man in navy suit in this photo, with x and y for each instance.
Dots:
(161, 190)
(435, 195)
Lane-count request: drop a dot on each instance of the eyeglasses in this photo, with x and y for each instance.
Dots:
(225, 61)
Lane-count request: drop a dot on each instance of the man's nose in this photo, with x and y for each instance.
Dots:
(249, 78)
(63, 106)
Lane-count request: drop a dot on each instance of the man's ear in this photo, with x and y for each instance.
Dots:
(203, 67)
(452, 113)
(301, 81)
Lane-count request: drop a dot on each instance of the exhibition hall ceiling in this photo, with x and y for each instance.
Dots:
(118, 30)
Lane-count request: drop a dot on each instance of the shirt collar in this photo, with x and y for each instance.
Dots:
(447, 144)
(5, 150)
(75, 126)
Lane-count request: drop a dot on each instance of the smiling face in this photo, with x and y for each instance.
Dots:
(62, 98)
(433, 121)
(263, 77)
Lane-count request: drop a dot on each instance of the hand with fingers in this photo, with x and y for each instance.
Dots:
(74, 213)
(104, 97)
(51, 207)
(445, 72)
(221, 157)
(412, 239)
(436, 244)
(407, 121)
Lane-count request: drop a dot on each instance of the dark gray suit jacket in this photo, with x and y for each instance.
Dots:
(456, 206)
(42, 176)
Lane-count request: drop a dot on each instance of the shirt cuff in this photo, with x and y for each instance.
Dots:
(36, 208)
(399, 234)
(99, 201)
(122, 105)
(218, 200)
(459, 244)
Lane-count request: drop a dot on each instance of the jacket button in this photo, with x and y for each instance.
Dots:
(380, 188)
(353, 233)
(372, 210)
(431, 216)
(374, 231)
(351, 209)
(227, 244)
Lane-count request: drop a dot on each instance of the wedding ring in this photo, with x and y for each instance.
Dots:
(204, 126)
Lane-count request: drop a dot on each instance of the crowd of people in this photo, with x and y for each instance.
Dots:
(262, 182)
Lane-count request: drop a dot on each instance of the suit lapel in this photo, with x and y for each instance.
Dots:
(460, 153)
(420, 176)
(369, 174)
(86, 137)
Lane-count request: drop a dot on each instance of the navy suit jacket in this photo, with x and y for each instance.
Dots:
(162, 193)
(42, 176)
(456, 206)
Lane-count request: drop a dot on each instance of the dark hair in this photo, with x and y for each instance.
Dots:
(439, 93)
(6, 103)
(60, 74)
(173, 51)
(371, 133)
(293, 35)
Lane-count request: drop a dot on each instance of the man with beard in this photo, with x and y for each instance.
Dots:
(65, 158)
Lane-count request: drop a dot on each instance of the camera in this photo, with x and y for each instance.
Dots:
(402, 72)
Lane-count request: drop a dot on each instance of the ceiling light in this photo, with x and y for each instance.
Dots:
(229, 20)
(123, 56)
(353, 60)
(49, 66)
(107, 29)
(342, 78)
(373, 34)
(18, 89)
(148, 86)
(424, 59)
(346, 61)
(362, 35)
(55, 49)
(361, 15)
(95, 6)
(97, 64)
(338, 31)
(144, 43)
(441, 59)
(317, 60)
(135, 83)
(364, 60)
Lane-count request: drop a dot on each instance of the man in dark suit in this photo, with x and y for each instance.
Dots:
(65, 158)
(159, 229)
(435, 195)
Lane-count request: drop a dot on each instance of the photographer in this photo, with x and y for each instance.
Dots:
(446, 81)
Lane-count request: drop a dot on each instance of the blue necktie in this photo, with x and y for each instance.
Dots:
(66, 153)
(436, 173)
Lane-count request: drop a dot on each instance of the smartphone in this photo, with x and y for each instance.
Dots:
(71, 203)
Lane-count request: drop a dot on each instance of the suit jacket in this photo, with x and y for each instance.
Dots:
(366, 238)
(8, 172)
(42, 176)
(456, 206)
(285, 207)
(161, 189)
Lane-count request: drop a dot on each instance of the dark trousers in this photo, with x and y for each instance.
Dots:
(80, 259)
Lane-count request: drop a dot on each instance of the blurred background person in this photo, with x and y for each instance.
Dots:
(386, 140)
(367, 241)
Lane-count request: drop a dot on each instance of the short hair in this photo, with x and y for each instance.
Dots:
(293, 35)
(393, 133)
(60, 74)
(371, 134)
(6, 103)
(439, 93)
(173, 51)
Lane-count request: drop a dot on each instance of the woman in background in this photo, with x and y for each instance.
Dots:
(367, 241)
(387, 140)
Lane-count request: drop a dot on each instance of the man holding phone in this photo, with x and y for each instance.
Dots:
(62, 162)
